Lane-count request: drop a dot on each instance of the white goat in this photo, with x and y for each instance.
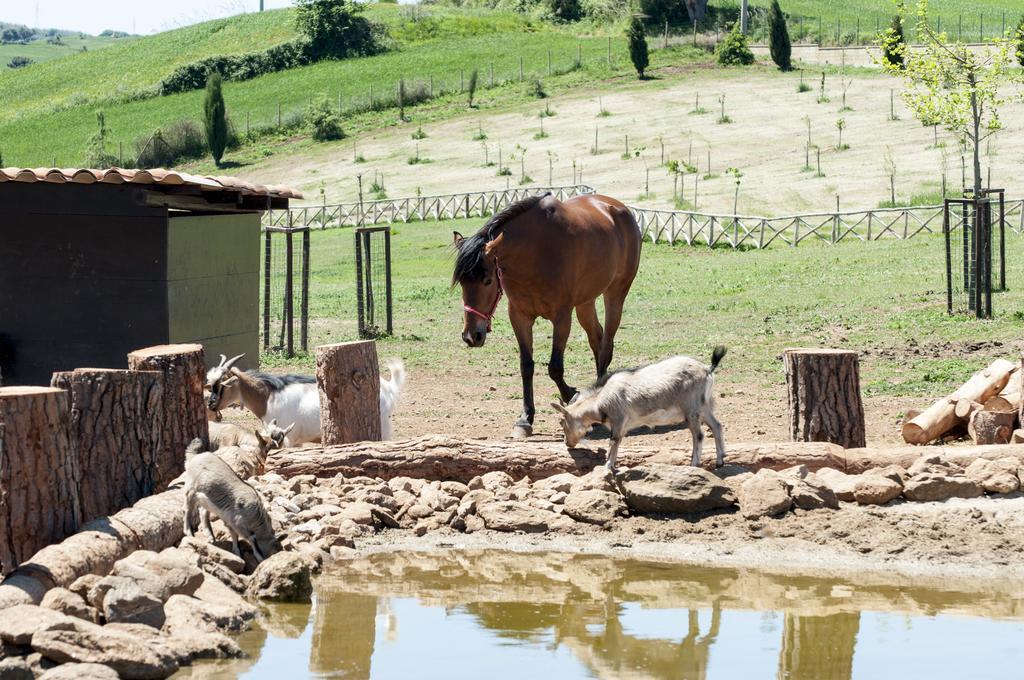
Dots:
(289, 398)
(673, 391)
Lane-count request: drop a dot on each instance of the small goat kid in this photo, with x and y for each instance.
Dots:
(212, 487)
(670, 392)
(289, 398)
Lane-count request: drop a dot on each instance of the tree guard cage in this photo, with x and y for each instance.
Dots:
(285, 279)
(373, 281)
(968, 226)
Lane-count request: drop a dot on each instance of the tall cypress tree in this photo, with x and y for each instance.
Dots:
(780, 46)
(215, 118)
(894, 44)
(638, 46)
(1018, 41)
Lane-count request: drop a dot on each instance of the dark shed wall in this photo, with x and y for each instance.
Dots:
(213, 280)
(82, 277)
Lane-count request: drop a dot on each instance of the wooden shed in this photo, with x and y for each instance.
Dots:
(96, 263)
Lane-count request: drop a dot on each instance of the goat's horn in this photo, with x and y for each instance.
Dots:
(289, 428)
(559, 407)
(222, 360)
(273, 423)
(232, 360)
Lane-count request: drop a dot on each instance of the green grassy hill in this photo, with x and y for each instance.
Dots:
(41, 51)
(56, 102)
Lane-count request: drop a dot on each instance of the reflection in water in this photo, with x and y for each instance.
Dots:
(496, 614)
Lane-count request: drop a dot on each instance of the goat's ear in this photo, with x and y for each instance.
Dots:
(273, 423)
(264, 442)
(457, 238)
(228, 382)
(558, 407)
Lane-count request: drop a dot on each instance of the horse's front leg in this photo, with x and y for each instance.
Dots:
(522, 325)
(556, 368)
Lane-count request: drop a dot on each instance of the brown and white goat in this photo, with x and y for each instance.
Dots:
(673, 391)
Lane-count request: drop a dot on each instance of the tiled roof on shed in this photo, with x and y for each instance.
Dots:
(155, 176)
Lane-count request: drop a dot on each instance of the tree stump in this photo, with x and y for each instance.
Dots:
(183, 415)
(115, 435)
(824, 396)
(991, 427)
(39, 474)
(348, 379)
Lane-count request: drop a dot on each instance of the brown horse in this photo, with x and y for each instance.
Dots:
(550, 258)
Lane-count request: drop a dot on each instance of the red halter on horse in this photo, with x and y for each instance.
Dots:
(555, 257)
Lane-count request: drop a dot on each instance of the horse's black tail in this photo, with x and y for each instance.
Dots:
(716, 357)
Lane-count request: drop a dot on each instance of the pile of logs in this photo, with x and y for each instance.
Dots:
(987, 408)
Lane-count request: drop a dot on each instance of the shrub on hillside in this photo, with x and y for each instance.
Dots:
(604, 11)
(1018, 41)
(324, 120)
(96, 155)
(733, 50)
(334, 29)
(567, 10)
(193, 76)
(18, 62)
(657, 12)
(181, 140)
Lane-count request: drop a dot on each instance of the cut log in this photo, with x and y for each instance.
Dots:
(1017, 437)
(824, 396)
(1000, 403)
(112, 425)
(991, 427)
(39, 473)
(941, 416)
(964, 408)
(449, 458)
(182, 417)
(348, 379)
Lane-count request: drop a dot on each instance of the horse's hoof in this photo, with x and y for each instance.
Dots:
(521, 432)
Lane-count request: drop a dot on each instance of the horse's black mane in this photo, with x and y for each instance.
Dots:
(469, 262)
(279, 382)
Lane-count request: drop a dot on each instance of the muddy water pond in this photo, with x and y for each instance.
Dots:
(496, 614)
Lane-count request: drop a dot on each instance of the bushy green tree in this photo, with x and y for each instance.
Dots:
(567, 10)
(96, 155)
(733, 50)
(638, 46)
(894, 43)
(215, 119)
(780, 46)
(334, 29)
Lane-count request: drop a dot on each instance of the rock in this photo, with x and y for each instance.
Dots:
(994, 476)
(841, 483)
(232, 612)
(810, 492)
(17, 668)
(931, 464)
(515, 516)
(594, 506)
(127, 602)
(673, 489)
(474, 523)
(193, 629)
(207, 552)
(83, 584)
(315, 555)
(600, 478)
(764, 495)
(70, 603)
(558, 498)
(130, 657)
(282, 577)
(457, 489)
(78, 671)
(419, 511)
(18, 623)
(301, 483)
(876, 489)
(437, 499)
(798, 471)
(929, 486)
(160, 576)
(475, 483)
(360, 513)
(893, 472)
(492, 481)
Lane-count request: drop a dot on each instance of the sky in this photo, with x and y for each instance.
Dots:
(133, 16)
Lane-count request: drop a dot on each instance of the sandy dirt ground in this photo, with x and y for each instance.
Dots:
(766, 141)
